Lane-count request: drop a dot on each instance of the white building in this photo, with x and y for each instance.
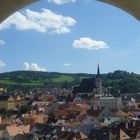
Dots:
(107, 102)
(77, 99)
(110, 102)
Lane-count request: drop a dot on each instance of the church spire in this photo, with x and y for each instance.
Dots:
(98, 81)
(98, 71)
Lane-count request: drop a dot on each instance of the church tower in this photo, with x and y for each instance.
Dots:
(98, 81)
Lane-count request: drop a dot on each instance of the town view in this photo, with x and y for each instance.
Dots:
(69, 70)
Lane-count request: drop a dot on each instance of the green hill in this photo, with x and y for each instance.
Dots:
(31, 79)
(116, 82)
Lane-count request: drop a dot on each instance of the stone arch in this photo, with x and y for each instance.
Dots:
(130, 6)
(8, 7)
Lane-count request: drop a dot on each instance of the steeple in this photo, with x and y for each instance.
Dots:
(98, 81)
(98, 72)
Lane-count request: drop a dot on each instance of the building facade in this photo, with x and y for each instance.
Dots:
(7, 103)
(111, 102)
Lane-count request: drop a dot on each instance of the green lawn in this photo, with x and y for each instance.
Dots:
(10, 82)
(62, 78)
(7, 82)
(59, 79)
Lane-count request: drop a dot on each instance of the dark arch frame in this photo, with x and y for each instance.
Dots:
(8, 7)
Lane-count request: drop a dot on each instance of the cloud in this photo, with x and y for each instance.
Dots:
(44, 21)
(59, 2)
(2, 64)
(66, 64)
(2, 42)
(90, 44)
(34, 67)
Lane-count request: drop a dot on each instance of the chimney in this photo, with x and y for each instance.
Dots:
(134, 123)
(126, 125)
(69, 129)
(63, 129)
(76, 130)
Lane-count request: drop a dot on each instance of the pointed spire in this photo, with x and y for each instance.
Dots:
(98, 71)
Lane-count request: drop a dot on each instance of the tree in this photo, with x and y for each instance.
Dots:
(3, 111)
(65, 85)
(23, 109)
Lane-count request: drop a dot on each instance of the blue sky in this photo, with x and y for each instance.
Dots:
(70, 36)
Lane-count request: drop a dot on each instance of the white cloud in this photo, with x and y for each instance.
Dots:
(44, 21)
(34, 67)
(90, 44)
(2, 42)
(59, 2)
(2, 64)
(66, 64)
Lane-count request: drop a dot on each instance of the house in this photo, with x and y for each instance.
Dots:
(18, 100)
(24, 101)
(40, 103)
(3, 90)
(88, 120)
(124, 136)
(108, 134)
(61, 114)
(99, 134)
(121, 114)
(70, 111)
(49, 98)
(5, 120)
(78, 126)
(48, 132)
(12, 131)
(4, 102)
(33, 118)
(7, 103)
(100, 114)
(42, 131)
(68, 135)
(11, 103)
(2, 128)
(126, 130)
(23, 137)
(77, 99)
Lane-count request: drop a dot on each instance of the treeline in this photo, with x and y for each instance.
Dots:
(120, 82)
(33, 79)
(117, 82)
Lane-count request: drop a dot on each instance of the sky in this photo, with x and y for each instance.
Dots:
(70, 36)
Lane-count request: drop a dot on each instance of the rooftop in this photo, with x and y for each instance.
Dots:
(109, 98)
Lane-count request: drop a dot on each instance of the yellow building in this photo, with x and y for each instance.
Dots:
(7, 103)
(11, 103)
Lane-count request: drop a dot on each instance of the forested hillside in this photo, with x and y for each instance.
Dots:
(29, 79)
(117, 82)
